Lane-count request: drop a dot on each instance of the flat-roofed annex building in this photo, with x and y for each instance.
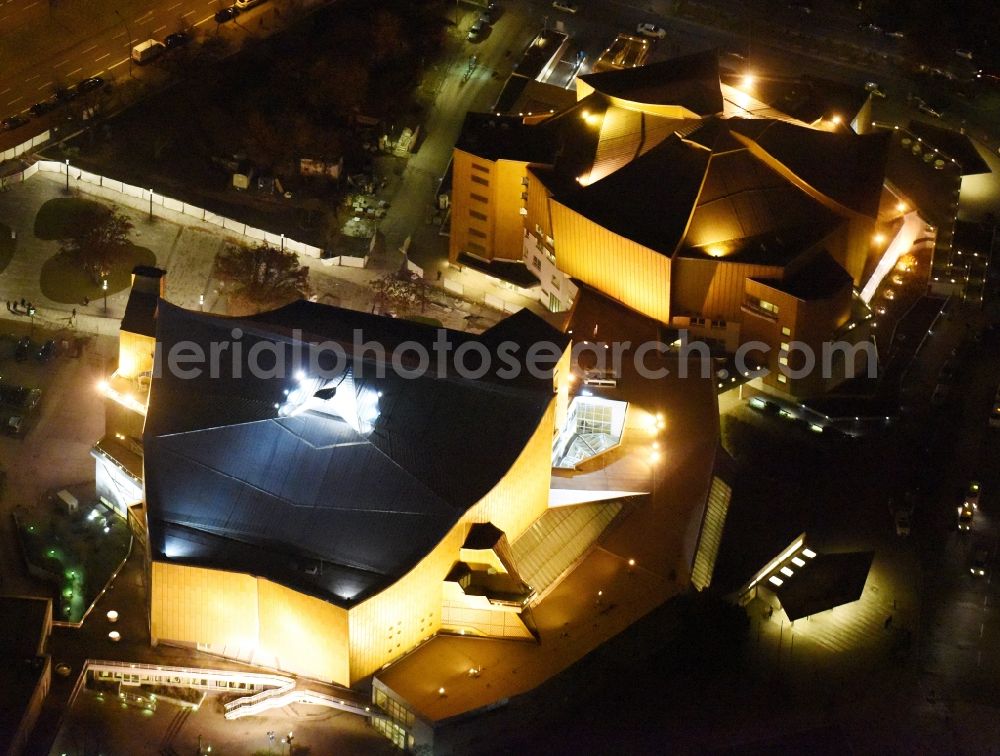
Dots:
(322, 517)
(684, 198)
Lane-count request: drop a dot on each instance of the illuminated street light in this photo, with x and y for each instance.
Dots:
(835, 120)
(879, 239)
(748, 80)
(901, 207)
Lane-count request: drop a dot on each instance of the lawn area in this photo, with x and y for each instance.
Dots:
(64, 280)
(60, 218)
(77, 553)
(7, 247)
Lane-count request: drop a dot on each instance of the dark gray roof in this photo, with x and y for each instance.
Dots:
(140, 310)
(691, 81)
(344, 496)
(825, 582)
(806, 98)
(494, 137)
(821, 277)
(953, 144)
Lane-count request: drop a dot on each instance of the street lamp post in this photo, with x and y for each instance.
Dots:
(151, 204)
(128, 32)
(104, 288)
(67, 175)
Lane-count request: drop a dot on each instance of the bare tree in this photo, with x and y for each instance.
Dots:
(99, 242)
(261, 277)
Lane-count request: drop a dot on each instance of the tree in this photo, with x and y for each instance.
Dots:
(261, 277)
(98, 242)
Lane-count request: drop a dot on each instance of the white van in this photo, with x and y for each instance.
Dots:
(244, 4)
(147, 51)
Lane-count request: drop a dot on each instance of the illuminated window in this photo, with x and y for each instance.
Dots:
(786, 331)
(536, 262)
(768, 306)
(782, 378)
(782, 360)
(784, 346)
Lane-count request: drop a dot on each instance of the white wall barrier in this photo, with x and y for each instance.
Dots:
(353, 262)
(23, 147)
(494, 301)
(139, 199)
(414, 268)
(512, 307)
(454, 286)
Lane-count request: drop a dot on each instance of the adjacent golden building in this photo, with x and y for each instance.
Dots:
(686, 199)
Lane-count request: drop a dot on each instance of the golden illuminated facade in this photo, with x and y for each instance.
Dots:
(686, 199)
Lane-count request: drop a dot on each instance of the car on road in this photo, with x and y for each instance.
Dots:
(873, 28)
(763, 405)
(478, 29)
(175, 40)
(902, 523)
(244, 4)
(980, 557)
(13, 122)
(89, 85)
(564, 6)
(923, 107)
(940, 395)
(651, 30)
(895, 34)
(226, 14)
(874, 89)
(994, 421)
(493, 11)
(965, 516)
(972, 495)
(23, 349)
(43, 107)
(967, 54)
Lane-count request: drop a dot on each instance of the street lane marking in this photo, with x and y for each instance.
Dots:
(5, 91)
(33, 76)
(46, 84)
(32, 5)
(175, 5)
(73, 72)
(189, 13)
(61, 64)
(95, 75)
(106, 55)
(160, 29)
(92, 47)
(147, 13)
(123, 60)
(120, 34)
(17, 100)
(207, 18)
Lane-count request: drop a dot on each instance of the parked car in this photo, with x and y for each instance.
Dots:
(89, 85)
(979, 559)
(43, 107)
(146, 51)
(175, 40)
(46, 351)
(564, 6)
(972, 495)
(873, 28)
(13, 122)
(895, 34)
(923, 107)
(67, 94)
(23, 349)
(478, 29)
(493, 11)
(994, 421)
(967, 54)
(965, 516)
(244, 4)
(651, 30)
(226, 14)
(15, 424)
(902, 523)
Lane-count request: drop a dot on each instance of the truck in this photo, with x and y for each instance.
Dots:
(147, 51)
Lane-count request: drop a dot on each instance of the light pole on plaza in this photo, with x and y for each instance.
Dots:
(67, 175)
(104, 288)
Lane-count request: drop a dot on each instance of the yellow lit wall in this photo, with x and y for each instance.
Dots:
(388, 625)
(508, 231)
(635, 275)
(713, 288)
(472, 208)
(135, 354)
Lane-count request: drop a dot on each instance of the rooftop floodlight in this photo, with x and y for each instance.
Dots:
(748, 80)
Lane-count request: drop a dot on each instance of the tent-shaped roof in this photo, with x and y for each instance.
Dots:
(953, 144)
(691, 81)
(315, 468)
(826, 581)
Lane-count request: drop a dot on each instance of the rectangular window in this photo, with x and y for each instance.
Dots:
(523, 211)
(480, 180)
(786, 331)
(536, 262)
(478, 248)
(482, 168)
(479, 198)
(477, 232)
(478, 216)
(784, 346)
(555, 282)
(782, 378)
(782, 360)
(768, 306)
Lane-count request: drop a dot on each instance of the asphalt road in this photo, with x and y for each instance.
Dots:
(44, 50)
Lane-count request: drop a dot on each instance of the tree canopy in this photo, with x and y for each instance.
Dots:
(98, 242)
(261, 277)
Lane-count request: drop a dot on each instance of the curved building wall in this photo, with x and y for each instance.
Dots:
(261, 622)
(636, 276)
